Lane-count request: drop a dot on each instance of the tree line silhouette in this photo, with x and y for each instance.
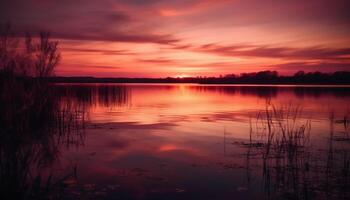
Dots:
(261, 77)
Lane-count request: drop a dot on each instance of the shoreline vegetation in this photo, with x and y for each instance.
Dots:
(35, 123)
(282, 151)
(262, 77)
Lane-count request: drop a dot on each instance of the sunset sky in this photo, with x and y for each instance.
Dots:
(159, 38)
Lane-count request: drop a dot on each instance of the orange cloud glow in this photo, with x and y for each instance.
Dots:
(156, 38)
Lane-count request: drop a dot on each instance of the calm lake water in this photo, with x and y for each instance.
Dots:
(186, 141)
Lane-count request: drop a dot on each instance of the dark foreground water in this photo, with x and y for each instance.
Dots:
(183, 141)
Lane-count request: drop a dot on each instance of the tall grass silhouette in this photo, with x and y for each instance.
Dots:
(291, 166)
(34, 122)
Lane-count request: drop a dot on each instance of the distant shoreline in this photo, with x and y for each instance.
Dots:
(201, 81)
(255, 78)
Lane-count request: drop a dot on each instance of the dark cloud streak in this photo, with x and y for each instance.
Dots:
(78, 20)
(100, 51)
(314, 66)
(265, 51)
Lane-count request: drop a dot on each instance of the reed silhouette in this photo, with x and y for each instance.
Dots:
(91, 95)
(291, 166)
(34, 122)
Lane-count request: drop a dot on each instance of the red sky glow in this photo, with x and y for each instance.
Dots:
(160, 38)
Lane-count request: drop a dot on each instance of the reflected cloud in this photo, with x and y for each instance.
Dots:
(131, 126)
(274, 91)
(168, 147)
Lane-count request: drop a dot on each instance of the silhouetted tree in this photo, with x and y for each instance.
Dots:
(29, 57)
(34, 122)
(299, 74)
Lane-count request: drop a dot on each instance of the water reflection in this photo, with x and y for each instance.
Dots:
(179, 141)
(35, 124)
(95, 94)
(185, 142)
(273, 91)
(292, 166)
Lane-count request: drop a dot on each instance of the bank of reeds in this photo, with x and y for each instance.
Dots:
(34, 123)
(291, 167)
